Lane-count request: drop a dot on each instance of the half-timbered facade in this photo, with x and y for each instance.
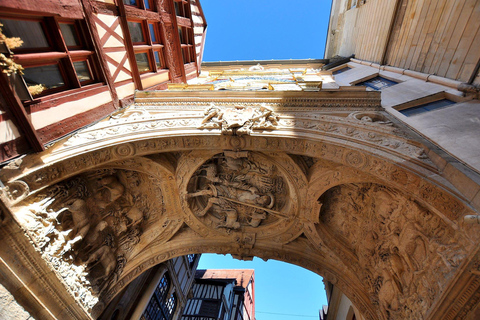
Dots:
(160, 293)
(83, 59)
(222, 295)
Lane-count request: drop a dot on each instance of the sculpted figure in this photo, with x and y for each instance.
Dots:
(105, 257)
(235, 190)
(257, 218)
(230, 222)
(213, 117)
(388, 294)
(110, 189)
(81, 223)
(266, 117)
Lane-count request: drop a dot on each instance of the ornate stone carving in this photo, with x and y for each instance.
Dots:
(238, 189)
(404, 253)
(16, 191)
(89, 226)
(370, 117)
(239, 119)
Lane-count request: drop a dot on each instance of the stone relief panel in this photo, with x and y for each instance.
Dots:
(239, 191)
(88, 227)
(403, 253)
(239, 119)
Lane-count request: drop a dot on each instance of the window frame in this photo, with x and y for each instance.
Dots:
(58, 53)
(162, 300)
(366, 82)
(187, 44)
(184, 9)
(149, 46)
(425, 107)
(140, 4)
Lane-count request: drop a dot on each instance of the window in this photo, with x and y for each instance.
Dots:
(147, 45)
(142, 4)
(171, 304)
(426, 107)
(341, 70)
(55, 54)
(159, 307)
(182, 8)
(209, 308)
(191, 259)
(377, 83)
(186, 42)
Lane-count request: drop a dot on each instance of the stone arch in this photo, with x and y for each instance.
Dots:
(311, 167)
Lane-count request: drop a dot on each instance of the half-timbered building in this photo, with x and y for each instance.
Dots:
(160, 293)
(83, 59)
(222, 295)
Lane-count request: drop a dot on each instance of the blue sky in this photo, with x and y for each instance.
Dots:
(258, 30)
(282, 291)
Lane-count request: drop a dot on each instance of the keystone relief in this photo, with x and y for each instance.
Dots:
(238, 189)
(239, 120)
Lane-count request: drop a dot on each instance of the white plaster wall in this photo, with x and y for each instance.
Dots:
(8, 131)
(59, 113)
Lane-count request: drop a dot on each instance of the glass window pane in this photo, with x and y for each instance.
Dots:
(83, 73)
(151, 28)
(158, 61)
(31, 32)
(48, 76)
(143, 63)
(130, 2)
(136, 32)
(177, 9)
(69, 34)
(147, 4)
(180, 34)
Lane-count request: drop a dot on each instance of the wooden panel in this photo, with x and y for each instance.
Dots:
(468, 40)
(402, 36)
(368, 36)
(431, 23)
(397, 22)
(436, 37)
(453, 44)
(452, 21)
(423, 19)
(414, 19)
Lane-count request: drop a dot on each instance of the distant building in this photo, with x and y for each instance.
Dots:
(222, 295)
(158, 294)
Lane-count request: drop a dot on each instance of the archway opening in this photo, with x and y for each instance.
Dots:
(282, 290)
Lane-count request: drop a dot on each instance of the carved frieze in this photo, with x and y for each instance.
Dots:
(403, 252)
(88, 227)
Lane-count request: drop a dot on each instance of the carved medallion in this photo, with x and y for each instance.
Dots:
(235, 190)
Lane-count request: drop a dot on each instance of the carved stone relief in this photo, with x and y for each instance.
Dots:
(240, 119)
(88, 227)
(235, 190)
(402, 252)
